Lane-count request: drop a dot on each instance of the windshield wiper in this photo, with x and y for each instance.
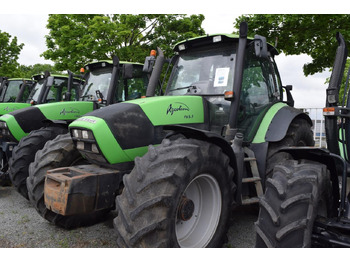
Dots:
(185, 87)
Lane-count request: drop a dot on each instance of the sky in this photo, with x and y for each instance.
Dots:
(28, 23)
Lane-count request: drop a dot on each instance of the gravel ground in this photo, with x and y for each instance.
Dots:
(22, 227)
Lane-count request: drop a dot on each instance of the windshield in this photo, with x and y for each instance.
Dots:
(34, 95)
(207, 71)
(98, 80)
(12, 91)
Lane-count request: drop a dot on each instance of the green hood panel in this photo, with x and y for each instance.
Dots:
(169, 110)
(21, 122)
(66, 110)
(124, 131)
(6, 108)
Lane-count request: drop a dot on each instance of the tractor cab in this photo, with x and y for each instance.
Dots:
(52, 88)
(16, 89)
(205, 67)
(131, 84)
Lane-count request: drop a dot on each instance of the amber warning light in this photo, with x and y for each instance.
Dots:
(328, 111)
(82, 70)
(229, 95)
(153, 53)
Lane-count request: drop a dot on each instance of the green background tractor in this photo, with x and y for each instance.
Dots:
(177, 164)
(41, 89)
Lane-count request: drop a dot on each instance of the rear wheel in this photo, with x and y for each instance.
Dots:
(180, 194)
(23, 154)
(295, 195)
(59, 152)
(299, 134)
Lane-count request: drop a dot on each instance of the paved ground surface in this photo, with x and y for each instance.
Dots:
(21, 226)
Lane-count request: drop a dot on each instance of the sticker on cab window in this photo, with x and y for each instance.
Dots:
(221, 76)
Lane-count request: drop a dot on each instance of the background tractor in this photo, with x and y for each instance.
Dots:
(27, 130)
(307, 201)
(41, 89)
(177, 164)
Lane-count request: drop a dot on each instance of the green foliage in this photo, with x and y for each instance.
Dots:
(302, 34)
(76, 39)
(28, 71)
(9, 52)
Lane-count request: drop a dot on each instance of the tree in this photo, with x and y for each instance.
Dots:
(28, 71)
(302, 34)
(77, 39)
(9, 52)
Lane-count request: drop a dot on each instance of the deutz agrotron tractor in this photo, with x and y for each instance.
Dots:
(175, 166)
(307, 200)
(28, 129)
(46, 89)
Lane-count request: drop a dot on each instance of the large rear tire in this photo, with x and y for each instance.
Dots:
(295, 195)
(180, 194)
(23, 154)
(59, 152)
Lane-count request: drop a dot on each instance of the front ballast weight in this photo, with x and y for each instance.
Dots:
(81, 190)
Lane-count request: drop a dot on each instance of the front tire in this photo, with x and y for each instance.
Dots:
(180, 194)
(295, 195)
(59, 152)
(23, 154)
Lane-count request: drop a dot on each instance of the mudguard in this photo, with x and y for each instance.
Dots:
(276, 122)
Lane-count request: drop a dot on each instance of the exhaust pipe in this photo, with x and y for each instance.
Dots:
(155, 76)
(332, 100)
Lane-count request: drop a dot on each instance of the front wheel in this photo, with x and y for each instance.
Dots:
(23, 154)
(180, 194)
(59, 152)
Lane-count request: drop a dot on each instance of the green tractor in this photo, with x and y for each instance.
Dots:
(43, 88)
(307, 200)
(176, 166)
(15, 89)
(25, 131)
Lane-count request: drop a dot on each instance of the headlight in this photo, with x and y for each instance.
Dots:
(85, 140)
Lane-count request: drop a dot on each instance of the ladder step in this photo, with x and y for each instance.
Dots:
(248, 159)
(250, 179)
(249, 201)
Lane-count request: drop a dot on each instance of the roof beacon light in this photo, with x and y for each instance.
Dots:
(153, 53)
(82, 70)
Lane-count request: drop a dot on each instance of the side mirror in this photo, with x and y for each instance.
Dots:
(128, 71)
(149, 63)
(290, 100)
(260, 45)
(50, 80)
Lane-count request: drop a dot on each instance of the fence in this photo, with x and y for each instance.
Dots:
(318, 127)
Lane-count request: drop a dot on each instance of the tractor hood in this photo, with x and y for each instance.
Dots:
(22, 121)
(6, 108)
(120, 132)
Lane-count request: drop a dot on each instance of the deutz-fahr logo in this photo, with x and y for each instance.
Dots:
(69, 111)
(176, 108)
(10, 109)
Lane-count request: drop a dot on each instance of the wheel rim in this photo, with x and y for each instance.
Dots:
(198, 212)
